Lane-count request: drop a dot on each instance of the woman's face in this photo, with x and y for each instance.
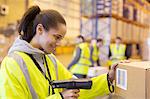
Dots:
(48, 40)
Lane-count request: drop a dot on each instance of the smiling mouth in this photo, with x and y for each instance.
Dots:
(53, 48)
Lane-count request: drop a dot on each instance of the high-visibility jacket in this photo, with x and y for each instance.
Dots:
(13, 84)
(118, 54)
(95, 53)
(82, 66)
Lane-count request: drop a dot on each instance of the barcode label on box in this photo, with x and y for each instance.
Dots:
(121, 78)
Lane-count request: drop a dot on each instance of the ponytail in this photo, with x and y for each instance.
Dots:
(26, 25)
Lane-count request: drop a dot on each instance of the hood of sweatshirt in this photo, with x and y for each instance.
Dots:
(23, 46)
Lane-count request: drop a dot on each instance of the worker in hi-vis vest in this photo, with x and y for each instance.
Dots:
(99, 55)
(81, 62)
(28, 69)
(94, 52)
(117, 51)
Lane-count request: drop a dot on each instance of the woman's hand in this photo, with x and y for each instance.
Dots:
(71, 94)
(113, 69)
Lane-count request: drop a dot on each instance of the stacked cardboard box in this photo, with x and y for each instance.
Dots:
(117, 7)
(119, 29)
(130, 12)
(114, 7)
(113, 28)
(125, 33)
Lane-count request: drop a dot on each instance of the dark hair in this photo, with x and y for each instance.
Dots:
(99, 40)
(118, 38)
(33, 17)
(81, 37)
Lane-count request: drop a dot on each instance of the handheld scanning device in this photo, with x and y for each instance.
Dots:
(73, 84)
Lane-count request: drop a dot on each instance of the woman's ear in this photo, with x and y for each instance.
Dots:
(39, 29)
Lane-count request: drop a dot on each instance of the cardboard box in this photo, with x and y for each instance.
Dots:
(133, 80)
(120, 29)
(98, 70)
(113, 29)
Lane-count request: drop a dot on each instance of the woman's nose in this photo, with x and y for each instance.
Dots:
(58, 43)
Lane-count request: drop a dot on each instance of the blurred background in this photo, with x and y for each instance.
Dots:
(93, 19)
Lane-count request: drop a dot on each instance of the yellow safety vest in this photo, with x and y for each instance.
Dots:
(13, 84)
(82, 66)
(95, 53)
(118, 54)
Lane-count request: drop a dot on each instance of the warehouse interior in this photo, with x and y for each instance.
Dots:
(108, 20)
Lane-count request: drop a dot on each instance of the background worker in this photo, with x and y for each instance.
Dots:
(80, 64)
(103, 54)
(28, 69)
(99, 55)
(117, 50)
(94, 52)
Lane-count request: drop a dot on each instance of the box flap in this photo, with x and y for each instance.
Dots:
(143, 64)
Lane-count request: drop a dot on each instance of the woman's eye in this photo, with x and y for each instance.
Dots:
(57, 38)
